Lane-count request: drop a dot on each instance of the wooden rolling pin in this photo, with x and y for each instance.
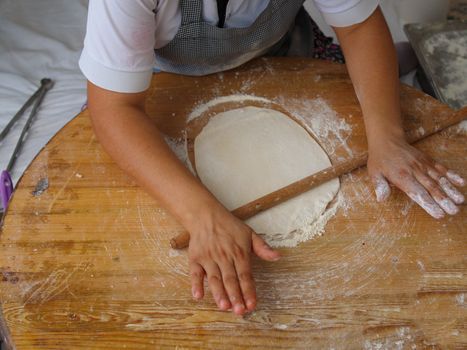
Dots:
(301, 186)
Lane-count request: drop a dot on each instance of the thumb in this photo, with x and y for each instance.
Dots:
(262, 249)
(382, 188)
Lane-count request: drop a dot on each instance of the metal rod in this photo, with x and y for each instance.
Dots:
(21, 111)
(46, 84)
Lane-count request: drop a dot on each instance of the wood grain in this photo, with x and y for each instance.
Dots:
(86, 265)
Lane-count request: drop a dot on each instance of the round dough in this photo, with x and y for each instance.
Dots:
(246, 153)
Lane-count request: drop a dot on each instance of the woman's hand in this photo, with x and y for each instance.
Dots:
(220, 249)
(220, 245)
(372, 64)
(425, 181)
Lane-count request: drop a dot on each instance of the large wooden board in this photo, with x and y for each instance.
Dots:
(87, 265)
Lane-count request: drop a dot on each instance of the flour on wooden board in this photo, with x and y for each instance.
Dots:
(179, 147)
(321, 121)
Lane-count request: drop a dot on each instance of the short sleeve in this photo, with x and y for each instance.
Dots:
(343, 13)
(118, 51)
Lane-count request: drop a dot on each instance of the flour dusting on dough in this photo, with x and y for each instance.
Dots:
(198, 111)
(308, 229)
(320, 120)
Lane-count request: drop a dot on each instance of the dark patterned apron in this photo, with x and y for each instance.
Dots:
(200, 48)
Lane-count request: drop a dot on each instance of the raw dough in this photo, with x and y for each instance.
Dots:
(245, 153)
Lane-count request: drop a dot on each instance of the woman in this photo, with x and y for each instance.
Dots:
(127, 38)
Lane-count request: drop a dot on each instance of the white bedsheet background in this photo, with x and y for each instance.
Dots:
(39, 38)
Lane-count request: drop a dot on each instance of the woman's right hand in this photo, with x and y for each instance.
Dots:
(220, 245)
(220, 249)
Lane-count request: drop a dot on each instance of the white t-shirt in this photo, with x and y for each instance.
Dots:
(121, 35)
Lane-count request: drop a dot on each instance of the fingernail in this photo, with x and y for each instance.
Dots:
(274, 256)
(223, 304)
(448, 206)
(196, 294)
(239, 309)
(433, 174)
(250, 304)
(457, 179)
(454, 194)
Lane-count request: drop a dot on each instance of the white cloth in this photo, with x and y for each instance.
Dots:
(121, 35)
(39, 39)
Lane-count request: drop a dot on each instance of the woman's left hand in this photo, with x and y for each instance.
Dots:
(425, 181)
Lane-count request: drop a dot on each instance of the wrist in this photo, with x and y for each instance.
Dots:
(201, 217)
(382, 135)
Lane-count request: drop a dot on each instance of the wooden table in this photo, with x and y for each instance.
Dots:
(86, 264)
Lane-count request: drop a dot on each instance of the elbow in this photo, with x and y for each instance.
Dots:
(106, 104)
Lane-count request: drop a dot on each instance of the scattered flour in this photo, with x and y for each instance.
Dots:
(421, 266)
(421, 131)
(198, 111)
(174, 253)
(406, 208)
(179, 147)
(310, 229)
(399, 341)
(321, 121)
(280, 326)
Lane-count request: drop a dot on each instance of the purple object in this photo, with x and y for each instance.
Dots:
(6, 189)
(6, 185)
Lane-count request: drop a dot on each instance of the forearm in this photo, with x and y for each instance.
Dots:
(372, 64)
(136, 145)
(220, 244)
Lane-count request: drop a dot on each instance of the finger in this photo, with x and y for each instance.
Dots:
(382, 188)
(232, 286)
(247, 284)
(263, 250)
(451, 191)
(434, 173)
(446, 185)
(197, 277)
(440, 168)
(216, 285)
(418, 194)
(437, 194)
(406, 182)
(455, 178)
